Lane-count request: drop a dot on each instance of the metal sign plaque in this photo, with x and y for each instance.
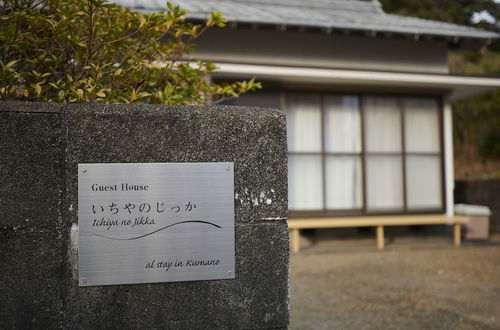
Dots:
(155, 222)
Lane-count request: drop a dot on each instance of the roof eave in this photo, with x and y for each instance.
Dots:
(469, 40)
(455, 86)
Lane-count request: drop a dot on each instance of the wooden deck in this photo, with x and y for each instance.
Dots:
(296, 224)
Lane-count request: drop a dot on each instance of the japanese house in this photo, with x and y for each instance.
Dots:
(367, 96)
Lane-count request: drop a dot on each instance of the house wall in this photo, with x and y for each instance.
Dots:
(275, 99)
(266, 47)
(321, 50)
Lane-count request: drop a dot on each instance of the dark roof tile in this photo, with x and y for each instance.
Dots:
(353, 15)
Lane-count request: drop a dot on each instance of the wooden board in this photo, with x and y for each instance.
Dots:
(370, 221)
(378, 221)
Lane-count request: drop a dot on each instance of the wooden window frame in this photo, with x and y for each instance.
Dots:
(363, 211)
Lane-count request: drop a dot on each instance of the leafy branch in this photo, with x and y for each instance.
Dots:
(93, 51)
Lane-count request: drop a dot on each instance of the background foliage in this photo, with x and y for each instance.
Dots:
(476, 120)
(92, 51)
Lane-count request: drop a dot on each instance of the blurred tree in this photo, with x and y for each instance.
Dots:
(93, 51)
(444, 10)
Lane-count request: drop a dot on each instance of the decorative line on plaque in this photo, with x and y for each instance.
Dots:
(156, 231)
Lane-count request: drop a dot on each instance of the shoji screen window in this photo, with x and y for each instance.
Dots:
(423, 156)
(305, 164)
(324, 144)
(402, 154)
(364, 154)
(384, 154)
(342, 148)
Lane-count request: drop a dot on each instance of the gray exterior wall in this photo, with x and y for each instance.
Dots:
(270, 47)
(31, 231)
(41, 146)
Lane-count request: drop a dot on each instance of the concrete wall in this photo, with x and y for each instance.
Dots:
(481, 192)
(41, 145)
(320, 50)
(31, 231)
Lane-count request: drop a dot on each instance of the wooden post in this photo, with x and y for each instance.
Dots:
(295, 240)
(380, 237)
(457, 234)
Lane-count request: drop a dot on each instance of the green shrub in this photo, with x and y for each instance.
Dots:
(93, 51)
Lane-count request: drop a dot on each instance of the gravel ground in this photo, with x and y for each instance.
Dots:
(421, 286)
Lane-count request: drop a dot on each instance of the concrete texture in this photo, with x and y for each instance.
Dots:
(254, 300)
(39, 203)
(30, 222)
(415, 284)
(30, 167)
(254, 139)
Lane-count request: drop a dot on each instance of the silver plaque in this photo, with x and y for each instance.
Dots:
(155, 222)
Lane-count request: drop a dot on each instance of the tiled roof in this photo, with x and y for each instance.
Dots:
(327, 15)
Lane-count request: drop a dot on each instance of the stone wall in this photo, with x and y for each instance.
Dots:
(41, 146)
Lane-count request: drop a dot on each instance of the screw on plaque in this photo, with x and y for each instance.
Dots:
(84, 280)
(228, 168)
(84, 170)
(229, 273)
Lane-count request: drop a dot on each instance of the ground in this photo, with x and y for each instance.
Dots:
(415, 283)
